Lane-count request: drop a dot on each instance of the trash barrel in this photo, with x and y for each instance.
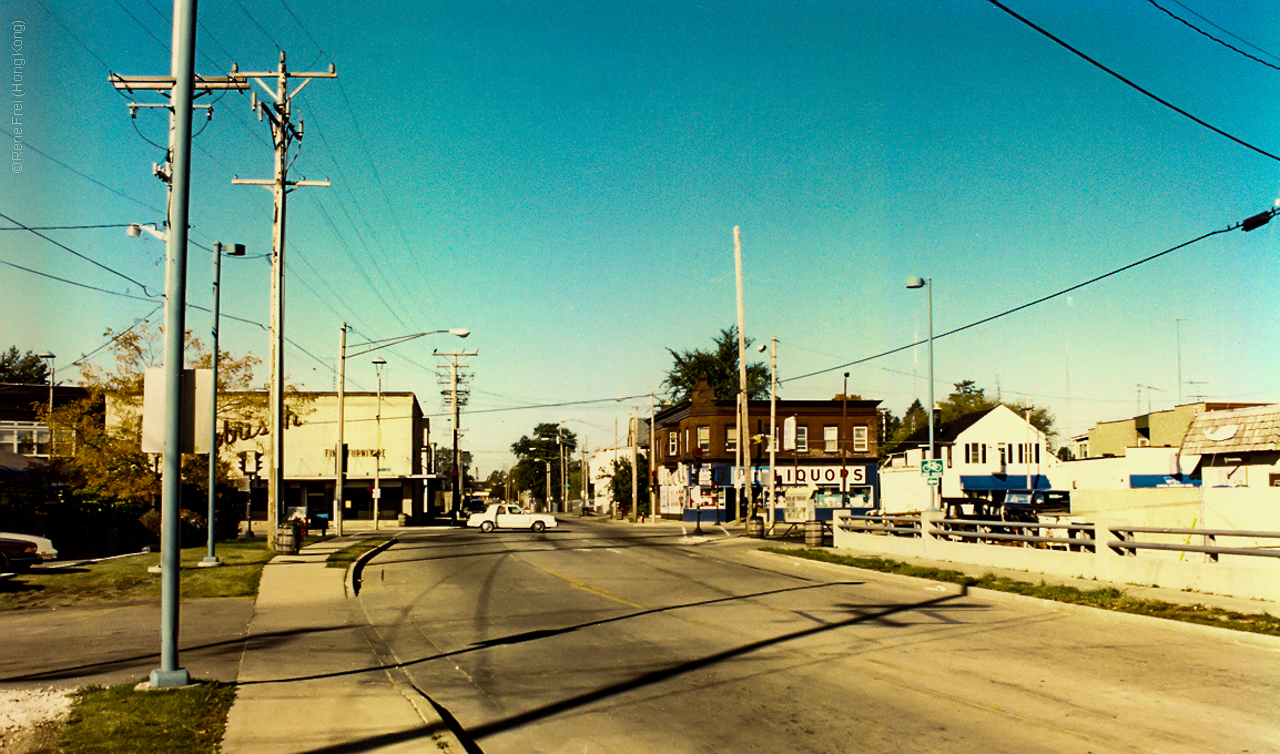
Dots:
(813, 534)
(287, 538)
(755, 527)
(403, 520)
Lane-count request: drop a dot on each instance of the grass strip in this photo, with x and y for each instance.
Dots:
(351, 553)
(1107, 598)
(171, 721)
(126, 579)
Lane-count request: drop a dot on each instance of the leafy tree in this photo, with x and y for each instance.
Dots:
(966, 398)
(444, 463)
(103, 458)
(533, 453)
(22, 369)
(620, 483)
(720, 365)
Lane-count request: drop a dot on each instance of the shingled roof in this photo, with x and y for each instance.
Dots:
(1243, 430)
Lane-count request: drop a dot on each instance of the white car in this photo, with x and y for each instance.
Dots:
(501, 515)
(45, 548)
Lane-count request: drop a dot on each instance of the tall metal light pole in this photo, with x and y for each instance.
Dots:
(182, 68)
(340, 451)
(927, 284)
(237, 250)
(378, 365)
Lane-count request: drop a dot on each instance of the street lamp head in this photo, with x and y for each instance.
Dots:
(46, 355)
(761, 348)
(915, 282)
(134, 230)
(461, 332)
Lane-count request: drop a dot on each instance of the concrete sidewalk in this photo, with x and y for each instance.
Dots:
(310, 680)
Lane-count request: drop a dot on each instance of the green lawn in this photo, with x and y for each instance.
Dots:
(127, 579)
(174, 721)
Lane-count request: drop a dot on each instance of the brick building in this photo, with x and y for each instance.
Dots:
(695, 442)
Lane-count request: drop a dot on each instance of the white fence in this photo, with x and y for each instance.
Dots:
(1213, 561)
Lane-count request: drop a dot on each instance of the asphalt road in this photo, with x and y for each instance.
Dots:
(601, 637)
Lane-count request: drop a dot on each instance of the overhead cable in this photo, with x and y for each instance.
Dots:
(1246, 225)
(1155, 97)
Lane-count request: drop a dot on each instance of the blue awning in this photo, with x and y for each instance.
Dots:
(1006, 482)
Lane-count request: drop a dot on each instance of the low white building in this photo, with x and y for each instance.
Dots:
(984, 454)
(600, 473)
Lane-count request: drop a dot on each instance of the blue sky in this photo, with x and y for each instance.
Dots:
(563, 180)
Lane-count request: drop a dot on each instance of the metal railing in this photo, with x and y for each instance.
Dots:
(1080, 537)
(1125, 544)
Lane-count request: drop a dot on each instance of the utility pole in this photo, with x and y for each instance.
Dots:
(743, 454)
(455, 396)
(283, 135)
(635, 462)
(182, 85)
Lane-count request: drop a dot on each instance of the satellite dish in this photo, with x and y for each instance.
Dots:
(1219, 434)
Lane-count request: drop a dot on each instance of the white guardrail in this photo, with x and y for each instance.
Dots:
(1215, 561)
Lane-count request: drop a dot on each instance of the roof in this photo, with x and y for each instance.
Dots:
(943, 434)
(1243, 430)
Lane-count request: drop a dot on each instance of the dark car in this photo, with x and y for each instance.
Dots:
(17, 555)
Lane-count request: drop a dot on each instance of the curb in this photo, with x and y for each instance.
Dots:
(356, 571)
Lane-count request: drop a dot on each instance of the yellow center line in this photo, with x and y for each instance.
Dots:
(592, 590)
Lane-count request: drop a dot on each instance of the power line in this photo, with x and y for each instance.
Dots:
(78, 285)
(78, 254)
(27, 146)
(1236, 37)
(1042, 299)
(1206, 34)
(1105, 69)
(70, 227)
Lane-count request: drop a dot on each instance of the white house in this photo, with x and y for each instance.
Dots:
(984, 454)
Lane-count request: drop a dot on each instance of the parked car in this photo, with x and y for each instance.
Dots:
(17, 555)
(504, 516)
(44, 546)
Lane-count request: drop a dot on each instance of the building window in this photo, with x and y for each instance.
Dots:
(830, 438)
(26, 438)
(704, 439)
(802, 438)
(673, 443)
(731, 439)
(861, 443)
(975, 452)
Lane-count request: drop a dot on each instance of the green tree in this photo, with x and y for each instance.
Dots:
(22, 368)
(720, 365)
(620, 483)
(965, 399)
(102, 458)
(534, 453)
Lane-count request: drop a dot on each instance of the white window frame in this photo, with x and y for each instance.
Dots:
(861, 439)
(830, 438)
(731, 439)
(802, 438)
(704, 438)
(673, 443)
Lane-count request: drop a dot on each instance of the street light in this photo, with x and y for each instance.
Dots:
(927, 283)
(237, 250)
(340, 452)
(378, 365)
